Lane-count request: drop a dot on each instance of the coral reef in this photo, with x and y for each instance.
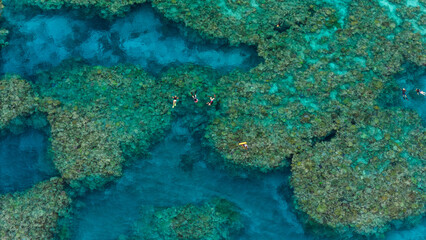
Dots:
(119, 113)
(314, 102)
(365, 177)
(33, 214)
(215, 219)
(99, 116)
(105, 8)
(314, 87)
(16, 99)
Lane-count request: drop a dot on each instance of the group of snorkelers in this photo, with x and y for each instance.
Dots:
(418, 91)
(194, 97)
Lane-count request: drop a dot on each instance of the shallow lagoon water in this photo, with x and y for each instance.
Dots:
(39, 41)
(158, 180)
(24, 161)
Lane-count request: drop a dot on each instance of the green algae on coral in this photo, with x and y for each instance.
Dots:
(215, 219)
(33, 214)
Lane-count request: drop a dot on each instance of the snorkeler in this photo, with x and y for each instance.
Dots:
(211, 100)
(175, 98)
(244, 145)
(404, 96)
(418, 91)
(280, 27)
(194, 96)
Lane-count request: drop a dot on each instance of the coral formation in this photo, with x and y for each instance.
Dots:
(314, 86)
(365, 177)
(105, 8)
(16, 99)
(119, 112)
(33, 214)
(100, 116)
(215, 219)
(314, 101)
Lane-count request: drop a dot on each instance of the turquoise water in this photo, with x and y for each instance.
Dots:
(24, 161)
(162, 181)
(414, 78)
(42, 41)
(39, 41)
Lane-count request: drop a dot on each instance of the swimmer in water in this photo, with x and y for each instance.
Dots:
(404, 96)
(244, 145)
(194, 96)
(175, 98)
(418, 91)
(211, 100)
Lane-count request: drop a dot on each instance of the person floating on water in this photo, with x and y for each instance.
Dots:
(418, 91)
(194, 96)
(211, 100)
(243, 144)
(404, 96)
(281, 27)
(175, 98)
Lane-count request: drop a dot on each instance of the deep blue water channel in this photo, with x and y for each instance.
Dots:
(41, 41)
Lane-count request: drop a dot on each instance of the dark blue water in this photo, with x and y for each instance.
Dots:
(40, 41)
(24, 161)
